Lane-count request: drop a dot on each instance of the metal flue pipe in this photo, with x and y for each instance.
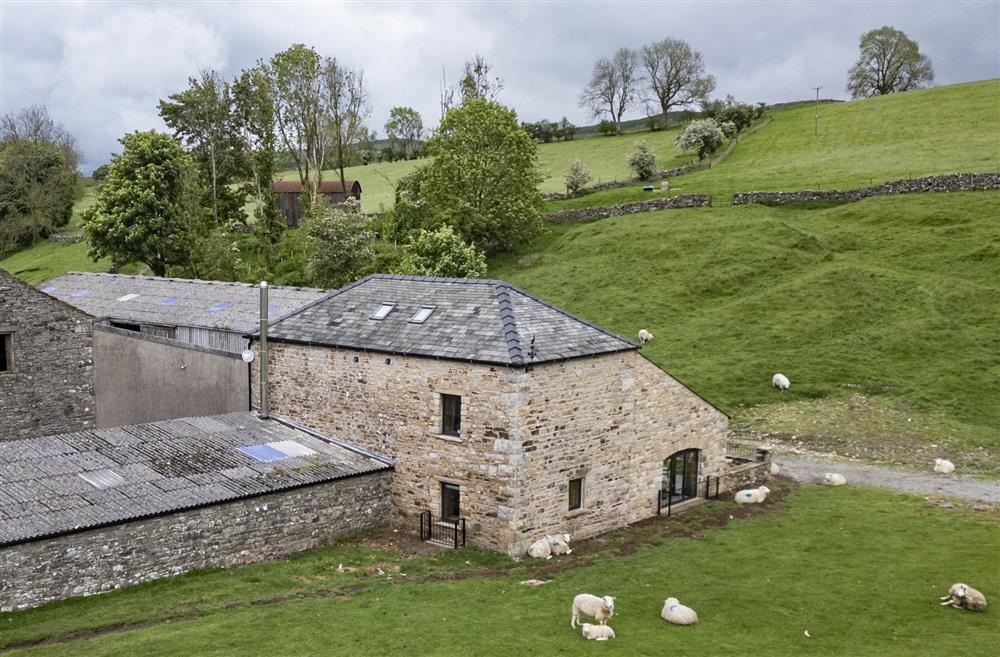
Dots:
(264, 404)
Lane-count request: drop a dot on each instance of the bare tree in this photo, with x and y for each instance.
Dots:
(613, 87)
(34, 125)
(478, 81)
(349, 107)
(675, 73)
(889, 62)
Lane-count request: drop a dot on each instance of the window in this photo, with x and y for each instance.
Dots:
(575, 494)
(421, 315)
(6, 352)
(451, 506)
(451, 415)
(383, 311)
(126, 326)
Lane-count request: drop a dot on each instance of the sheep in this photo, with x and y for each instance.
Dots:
(540, 549)
(943, 466)
(597, 632)
(676, 613)
(834, 479)
(645, 336)
(780, 381)
(559, 544)
(600, 608)
(752, 495)
(963, 596)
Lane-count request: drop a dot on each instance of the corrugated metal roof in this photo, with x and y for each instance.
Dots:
(176, 301)
(58, 484)
(325, 187)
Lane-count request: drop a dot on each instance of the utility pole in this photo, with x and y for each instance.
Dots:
(816, 128)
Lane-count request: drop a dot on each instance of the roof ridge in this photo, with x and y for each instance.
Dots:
(437, 279)
(182, 280)
(508, 325)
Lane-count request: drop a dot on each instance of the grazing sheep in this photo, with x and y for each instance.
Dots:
(752, 495)
(600, 608)
(559, 544)
(780, 381)
(963, 596)
(943, 466)
(645, 336)
(540, 549)
(834, 479)
(676, 613)
(597, 632)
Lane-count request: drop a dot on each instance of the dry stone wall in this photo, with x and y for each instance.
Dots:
(956, 182)
(668, 203)
(631, 182)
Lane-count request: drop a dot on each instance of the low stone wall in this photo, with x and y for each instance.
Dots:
(955, 182)
(618, 184)
(254, 529)
(669, 203)
(745, 475)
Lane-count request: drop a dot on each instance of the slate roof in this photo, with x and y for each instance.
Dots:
(155, 468)
(205, 304)
(474, 320)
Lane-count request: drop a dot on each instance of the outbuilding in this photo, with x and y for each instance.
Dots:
(289, 196)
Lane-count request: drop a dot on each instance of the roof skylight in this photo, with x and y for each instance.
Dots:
(49, 289)
(166, 301)
(276, 451)
(128, 297)
(219, 307)
(102, 479)
(80, 293)
(383, 311)
(421, 315)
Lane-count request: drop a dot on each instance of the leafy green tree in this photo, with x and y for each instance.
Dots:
(483, 178)
(340, 246)
(405, 127)
(675, 75)
(607, 128)
(643, 161)
(100, 173)
(148, 209)
(37, 191)
(577, 176)
(703, 136)
(442, 253)
(567, 129)
(889, 62)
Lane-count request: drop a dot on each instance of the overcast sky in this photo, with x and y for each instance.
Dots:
(101, 67)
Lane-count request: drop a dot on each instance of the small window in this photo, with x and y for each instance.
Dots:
(575, 494)
(6, 352)
(421, 315)
(383, 311)
(451, 415)
(127, 326)
(451, 501)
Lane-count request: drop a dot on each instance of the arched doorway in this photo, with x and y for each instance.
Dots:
(680, 477)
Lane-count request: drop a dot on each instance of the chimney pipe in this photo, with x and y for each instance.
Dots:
(264, 405)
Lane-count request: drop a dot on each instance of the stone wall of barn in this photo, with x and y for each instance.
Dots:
(252, 530)
(48, 387)
(610, 419)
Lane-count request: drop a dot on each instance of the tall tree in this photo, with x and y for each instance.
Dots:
(148, 209)
(348, 107)
(889, 62)
(37, 190)
(404, 127)
(478, 81)
(33, 124)
(613, 87)
(675, 73)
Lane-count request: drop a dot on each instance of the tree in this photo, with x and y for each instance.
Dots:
(613, 87)
(889, 62)
(442, 253)
(34, 125)
(483, 178)
(478, 80)
(348, 106)
(643, 161)
(577, 176)
(37, 190)
(606, 128)
(567, 129)
(148, 208)
(340, 247)
(404, 127)
(703, 136)
(675, 74)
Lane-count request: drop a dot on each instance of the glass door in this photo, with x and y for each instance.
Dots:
(680, 476)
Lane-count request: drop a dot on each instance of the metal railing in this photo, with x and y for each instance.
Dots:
(741, 451)
(445, 531)
(708, 487)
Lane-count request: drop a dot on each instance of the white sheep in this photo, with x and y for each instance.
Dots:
(559, 544)
(943, 466)
(780, 381)
(676, 613)
(752, 495)
(963, 596)
(600, 608)
(834, 479)
(540, 549)
(645, 336)
(597, 632)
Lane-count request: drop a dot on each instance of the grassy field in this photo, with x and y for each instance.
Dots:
(860, 569)
(896, 297)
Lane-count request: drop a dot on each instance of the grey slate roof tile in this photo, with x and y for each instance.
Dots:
(170, 465)
(473, 320)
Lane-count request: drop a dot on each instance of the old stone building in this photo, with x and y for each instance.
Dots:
(46, 363)
(500, 411)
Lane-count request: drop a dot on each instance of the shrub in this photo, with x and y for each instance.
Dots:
(643, 161)
(728, 129)
(442, 253)
(340, 245)
(702, 136)
(607, 128)
(577, 176)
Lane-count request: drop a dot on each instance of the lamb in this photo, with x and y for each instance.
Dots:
(600, 608)
(752, 495)
(963, 596)
(943, 466)
(645, 336)
(597, 632)
(676, 613)
(541, 549)
(559, 544)
(834, 479)
(780, 381)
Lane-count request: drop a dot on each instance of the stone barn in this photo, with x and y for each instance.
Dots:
(507, 418)
(288, 195)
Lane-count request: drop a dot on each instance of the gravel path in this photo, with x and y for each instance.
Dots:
(810, 469)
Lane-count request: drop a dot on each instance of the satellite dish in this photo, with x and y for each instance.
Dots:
(248, 356)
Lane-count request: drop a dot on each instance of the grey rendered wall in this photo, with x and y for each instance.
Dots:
(142, 378)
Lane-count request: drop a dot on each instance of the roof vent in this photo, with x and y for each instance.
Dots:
(421, 315)
(383, 311)
(102, 479)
